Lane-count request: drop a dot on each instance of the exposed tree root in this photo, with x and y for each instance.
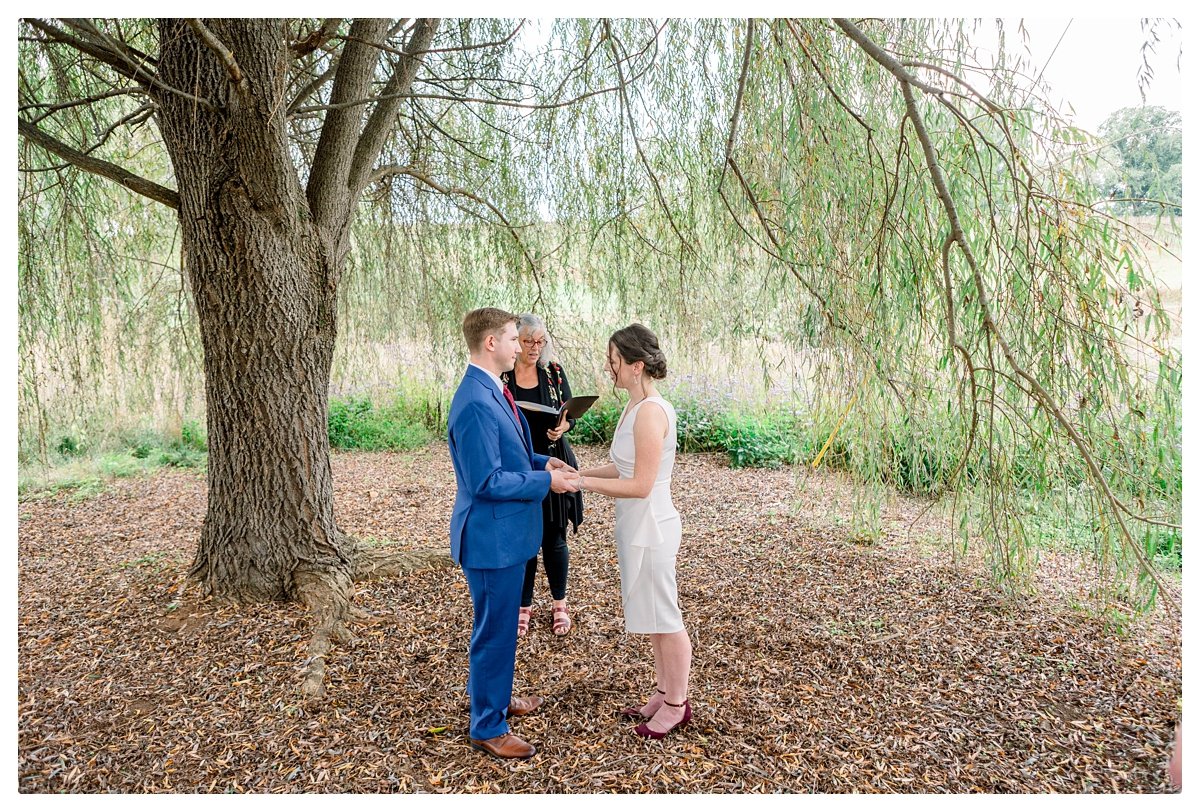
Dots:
(327, 593)
(372, 563)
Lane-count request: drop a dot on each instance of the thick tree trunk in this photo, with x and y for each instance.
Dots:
(265, 293)
(264, 272)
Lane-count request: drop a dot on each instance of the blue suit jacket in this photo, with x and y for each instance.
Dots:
(497, 519)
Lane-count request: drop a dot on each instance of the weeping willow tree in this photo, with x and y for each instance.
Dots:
(870, 194)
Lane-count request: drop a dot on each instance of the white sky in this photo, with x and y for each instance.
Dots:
(1095, 66)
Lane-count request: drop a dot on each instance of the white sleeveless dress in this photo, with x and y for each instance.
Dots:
(648, 533)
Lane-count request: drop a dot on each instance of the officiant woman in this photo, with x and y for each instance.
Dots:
(540, 379)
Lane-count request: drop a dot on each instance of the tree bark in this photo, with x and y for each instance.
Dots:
(266, 304)
(264, 268)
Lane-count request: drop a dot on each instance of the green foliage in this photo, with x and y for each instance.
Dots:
(193, 436)
(759, 441)
(808, 241)
(1149, 144)
(86, 470)
(68, 446)
(598, 425)
(750, 438)
(357, 423)
(181, 457)
(87, 476)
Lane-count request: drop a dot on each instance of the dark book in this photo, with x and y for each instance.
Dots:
(543, 418)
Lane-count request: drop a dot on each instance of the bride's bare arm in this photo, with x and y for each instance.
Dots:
(602, 471)
(649, 433)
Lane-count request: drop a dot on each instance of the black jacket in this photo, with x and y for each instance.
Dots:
(554, 390)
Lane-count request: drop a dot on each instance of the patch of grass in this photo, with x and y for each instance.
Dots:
(147, 560)
(84, 475)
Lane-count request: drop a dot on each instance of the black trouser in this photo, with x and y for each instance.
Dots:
(554, 556)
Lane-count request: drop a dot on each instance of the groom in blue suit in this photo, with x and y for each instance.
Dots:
(496, 526)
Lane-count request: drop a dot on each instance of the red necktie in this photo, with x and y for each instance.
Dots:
(513, 404)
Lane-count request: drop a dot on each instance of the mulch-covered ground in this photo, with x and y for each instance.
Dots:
(820, 664)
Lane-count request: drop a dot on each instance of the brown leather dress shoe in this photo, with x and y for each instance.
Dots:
(505, 746)
(521, 705)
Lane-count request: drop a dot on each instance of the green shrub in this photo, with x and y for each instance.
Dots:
(193, 435)
(758, 441)
(356, 423)
(598, 425)
(68, 446)
(749, 439)
(183, 458)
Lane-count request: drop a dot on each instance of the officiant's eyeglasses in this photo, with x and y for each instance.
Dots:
(528, 342)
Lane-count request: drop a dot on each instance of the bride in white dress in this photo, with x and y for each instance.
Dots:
(648, 528)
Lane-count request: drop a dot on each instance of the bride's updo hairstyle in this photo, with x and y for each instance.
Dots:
(636, 343)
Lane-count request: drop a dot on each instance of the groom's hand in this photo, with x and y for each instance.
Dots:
(563, 481)
(555, 464)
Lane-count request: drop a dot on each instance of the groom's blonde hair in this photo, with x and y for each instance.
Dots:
(486, 321)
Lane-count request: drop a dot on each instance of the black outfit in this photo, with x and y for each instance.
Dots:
(558, 509)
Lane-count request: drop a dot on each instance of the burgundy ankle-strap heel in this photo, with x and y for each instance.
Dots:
(636, 713)
(644, 730)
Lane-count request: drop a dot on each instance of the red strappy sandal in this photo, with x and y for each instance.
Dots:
(523, 616)
(562, 621)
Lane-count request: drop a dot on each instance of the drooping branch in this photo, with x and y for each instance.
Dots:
(737, 99)
(496, 102)
(958, 237)
(134, 183)
(637, 143)
(46, 110)
(118, 46)
(135, 60)
(100, 53)
(449, 191)
(500, 43)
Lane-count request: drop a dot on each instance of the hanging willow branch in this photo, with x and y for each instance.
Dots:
(786, 162)
(958, 238)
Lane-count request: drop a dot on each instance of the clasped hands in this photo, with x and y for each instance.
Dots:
(563, 478)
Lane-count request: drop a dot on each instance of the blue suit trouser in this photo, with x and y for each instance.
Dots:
(496, 599)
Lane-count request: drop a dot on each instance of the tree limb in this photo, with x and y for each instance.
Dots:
(467, 99)
(957, 236)
(313, 86)
(50, 109)
(219, 48)
(102, 54)
(139, 72)
(317, 38)
(150, 189)
(412, 172)
(383, 118)
(328, 191)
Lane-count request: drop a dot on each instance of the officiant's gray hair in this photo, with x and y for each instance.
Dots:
(528, 323)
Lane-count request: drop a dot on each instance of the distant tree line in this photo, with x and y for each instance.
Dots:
(1144, 148)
